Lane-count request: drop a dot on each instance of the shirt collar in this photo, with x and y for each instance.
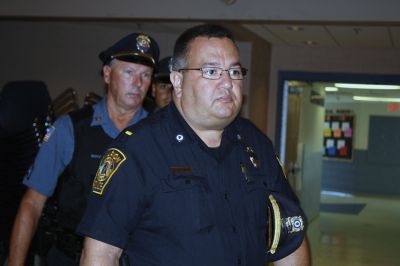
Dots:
(100, 114)
(183, 133)
(180, 130)
(101, 118)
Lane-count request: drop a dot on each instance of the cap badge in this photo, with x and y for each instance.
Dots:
(143, 43)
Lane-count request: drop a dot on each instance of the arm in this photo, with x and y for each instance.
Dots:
(25, 224)
(53, 156)
(300, 257)
(98, 253)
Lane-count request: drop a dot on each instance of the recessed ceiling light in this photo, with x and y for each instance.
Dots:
(295, 28)
(229, 2)
(331, 89)
(367, 86)
(311, 42)
(376, 99)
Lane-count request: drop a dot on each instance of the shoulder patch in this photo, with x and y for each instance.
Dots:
(49, 132)
(111, 161)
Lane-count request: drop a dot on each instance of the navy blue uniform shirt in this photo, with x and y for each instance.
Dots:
(166, 198)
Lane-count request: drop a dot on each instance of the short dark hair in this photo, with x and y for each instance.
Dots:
(183, 42)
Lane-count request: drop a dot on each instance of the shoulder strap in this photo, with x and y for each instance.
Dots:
(81, 115)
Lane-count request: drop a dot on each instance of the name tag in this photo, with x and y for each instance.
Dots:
(180, 169)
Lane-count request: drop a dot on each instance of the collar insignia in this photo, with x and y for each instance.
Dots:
(253, 157)
(128, 132)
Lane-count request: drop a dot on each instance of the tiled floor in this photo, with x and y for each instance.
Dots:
(371, 237)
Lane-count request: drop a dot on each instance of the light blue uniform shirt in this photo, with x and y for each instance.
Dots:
(56, 153)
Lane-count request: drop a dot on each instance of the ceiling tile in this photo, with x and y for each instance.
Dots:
(361, 36)
(264, 33)
(314, 33)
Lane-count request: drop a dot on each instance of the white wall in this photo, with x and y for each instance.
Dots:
(316, 59)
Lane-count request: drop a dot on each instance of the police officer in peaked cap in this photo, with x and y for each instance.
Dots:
(68, 159)
(161, 88)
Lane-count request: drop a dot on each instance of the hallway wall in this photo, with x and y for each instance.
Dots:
(62, 54)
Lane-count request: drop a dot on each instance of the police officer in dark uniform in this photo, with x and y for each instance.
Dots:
(161, 88)
(195, 184)
(73, 146)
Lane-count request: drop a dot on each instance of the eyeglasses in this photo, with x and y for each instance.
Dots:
(216, 72)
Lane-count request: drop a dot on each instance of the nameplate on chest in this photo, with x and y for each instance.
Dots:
(180, 169)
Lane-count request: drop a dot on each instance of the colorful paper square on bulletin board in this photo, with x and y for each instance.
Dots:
(332, 151)
(337, 132)
(344, 151)
(348, 133)
(327, 132)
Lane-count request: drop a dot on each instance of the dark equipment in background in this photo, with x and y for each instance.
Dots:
(26, 113)
(24, 109)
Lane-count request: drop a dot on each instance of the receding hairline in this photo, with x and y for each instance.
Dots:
(189, 46)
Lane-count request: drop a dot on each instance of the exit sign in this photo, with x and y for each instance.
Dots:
(393, 107)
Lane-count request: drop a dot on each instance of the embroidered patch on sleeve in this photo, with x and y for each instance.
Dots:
(112, 159)
(49, 132)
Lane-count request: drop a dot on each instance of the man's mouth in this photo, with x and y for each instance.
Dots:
(225, 99)
(133, 94)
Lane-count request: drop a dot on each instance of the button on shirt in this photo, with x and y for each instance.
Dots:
(171, 201)
(56, 153)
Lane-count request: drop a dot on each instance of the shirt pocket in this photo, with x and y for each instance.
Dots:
(257, 197)
(185, 203)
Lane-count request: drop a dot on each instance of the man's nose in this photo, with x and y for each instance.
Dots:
(225, 79)
(137, 80)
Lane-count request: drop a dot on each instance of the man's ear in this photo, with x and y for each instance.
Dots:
(106, 74)
(176, 80)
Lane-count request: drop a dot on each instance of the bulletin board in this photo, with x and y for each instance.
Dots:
(338, 136)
